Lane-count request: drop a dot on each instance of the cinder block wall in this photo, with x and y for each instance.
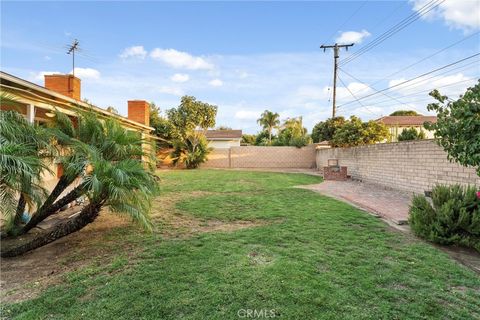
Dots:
(410, 166)
(262, 157)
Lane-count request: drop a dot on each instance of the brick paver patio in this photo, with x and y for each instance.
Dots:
(392, 205)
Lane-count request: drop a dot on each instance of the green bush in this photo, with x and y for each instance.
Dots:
(192, 152)
(452, 217)
(411, 134)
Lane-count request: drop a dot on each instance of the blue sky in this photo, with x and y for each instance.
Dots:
(244, 57)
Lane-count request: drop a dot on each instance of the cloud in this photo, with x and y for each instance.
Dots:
(171, 90)
(247, 115)
(458, 14)
(180, 60)
(216, 83)
(451, 85)
(134, 52)
(39, 76)
(180, 77)
(348, 37)
(87, 73)
(47, 58)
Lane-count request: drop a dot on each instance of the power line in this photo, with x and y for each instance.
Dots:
(393, 30)
(354, 97)
(415, 78)
(349, 18)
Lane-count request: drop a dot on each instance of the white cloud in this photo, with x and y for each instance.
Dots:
(180, 77)
(451, 85)
(459, 14)
(134, 52)
(171, 90)
(47, 58)
(87, 73)
(348, 37)
(39, 76)
(247, 115)
(180, 60)
(216, 83)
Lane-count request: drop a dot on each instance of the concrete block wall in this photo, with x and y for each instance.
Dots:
(262, 157)
(409, 166)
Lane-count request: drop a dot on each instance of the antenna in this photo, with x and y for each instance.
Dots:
(71, 50)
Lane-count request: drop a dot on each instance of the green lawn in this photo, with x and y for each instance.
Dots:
(310, 257)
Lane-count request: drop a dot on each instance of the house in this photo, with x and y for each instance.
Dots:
(224, 139)
(396, 124)
(63, 93)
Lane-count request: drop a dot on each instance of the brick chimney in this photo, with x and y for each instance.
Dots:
(65, 84)
(139, 111)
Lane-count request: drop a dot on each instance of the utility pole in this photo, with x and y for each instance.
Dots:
(336, 54)
(71, 50)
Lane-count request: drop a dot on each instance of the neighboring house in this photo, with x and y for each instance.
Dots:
(224, 139)
(62, 93)
(396, 124)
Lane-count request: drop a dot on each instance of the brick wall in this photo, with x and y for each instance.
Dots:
(139, 111)
(65, 84)
(262, 157)
(410, 166)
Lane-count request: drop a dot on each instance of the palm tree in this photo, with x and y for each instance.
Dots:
(269, 120)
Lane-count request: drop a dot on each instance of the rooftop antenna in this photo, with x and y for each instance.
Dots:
(71, 50)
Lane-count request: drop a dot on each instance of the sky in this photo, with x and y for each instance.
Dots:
(246, 57)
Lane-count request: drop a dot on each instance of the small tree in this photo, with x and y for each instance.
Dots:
(324, 130)
(248, 139)
(411, 134)
(190, 121)
(292, 133)
(405, 113)
(457, 128)
(269, 120)
(355, 132)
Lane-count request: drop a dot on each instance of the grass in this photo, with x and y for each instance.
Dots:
(313, 258)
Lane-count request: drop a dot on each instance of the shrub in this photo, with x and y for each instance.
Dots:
(192, 151)
(452, 217)
(411, 134)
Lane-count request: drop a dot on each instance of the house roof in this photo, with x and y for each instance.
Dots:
(13, 83)
(223, 134)
(406, 120)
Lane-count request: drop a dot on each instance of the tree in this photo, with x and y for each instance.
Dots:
(248, 139)
(411, 134)
(223, 128)
(324, 130)
(292, 133)
(457, 128)
(405, 113)
(163, 127)
(263, 138)
(105, 157)
(269, 120)
(355, 132)
(190, 121)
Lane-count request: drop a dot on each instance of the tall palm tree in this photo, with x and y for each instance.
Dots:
(269, 120)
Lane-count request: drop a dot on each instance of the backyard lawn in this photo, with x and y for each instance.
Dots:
(226, 242)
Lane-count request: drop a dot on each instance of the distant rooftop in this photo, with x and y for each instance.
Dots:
(224, 134)
(406, 120)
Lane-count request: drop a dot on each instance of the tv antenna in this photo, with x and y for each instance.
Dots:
(71, 50)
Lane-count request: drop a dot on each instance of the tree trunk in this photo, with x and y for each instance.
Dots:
(45, 210)
(88, 214)
(20, 210)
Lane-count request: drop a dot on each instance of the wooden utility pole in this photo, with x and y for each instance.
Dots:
(336, 54)
(71, 50)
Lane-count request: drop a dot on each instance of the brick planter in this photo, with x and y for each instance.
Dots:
(335, 173)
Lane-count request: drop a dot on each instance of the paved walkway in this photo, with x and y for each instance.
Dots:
(389, 204)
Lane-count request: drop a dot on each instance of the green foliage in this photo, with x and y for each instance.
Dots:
(292, 133)
(263, 138)
(411, 134)
(325, 130)
(269, 120)
(457, 128)
(249, 139)
(192, 151)
(354, 132)
(405, 113)
(454, 217)
(223, 128)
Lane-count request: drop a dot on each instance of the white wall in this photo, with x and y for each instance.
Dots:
(224, 144)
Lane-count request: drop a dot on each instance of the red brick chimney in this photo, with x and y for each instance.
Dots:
(65, 84)
(139, 111)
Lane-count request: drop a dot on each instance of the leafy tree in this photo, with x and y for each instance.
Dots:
(355, 132)
(263, 138)
(458, 126)
(292, 133)
(105, 157)
(269, 120)
(248, 139)
(112, 109)
(324, 130)
(223, 128)
(163, 127)
(411, 134)
(405, 113)
(190, 121)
